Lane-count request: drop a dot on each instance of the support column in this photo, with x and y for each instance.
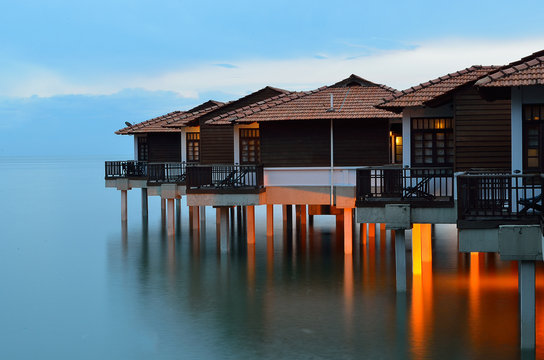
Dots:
(250, 219)
(124, 206)
(171, 217)
(348, 231)
(400, 260)
(224, 229)
(203, 217)
(526, 286)
(269, 220)
(178, 208)
(311, 220)
(144, 203)
(196, 221)
(289, 219)
(426, 244)
(371, 231)
(416, 249)
(163, 209)
(217, 216)
(303, 212)
(363, 233)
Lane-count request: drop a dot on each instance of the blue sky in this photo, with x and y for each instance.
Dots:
(92, 65)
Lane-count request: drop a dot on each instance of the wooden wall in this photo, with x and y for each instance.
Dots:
(217, 144)
(164, 147)
(361, 142)
(481, 131)
(295, 143)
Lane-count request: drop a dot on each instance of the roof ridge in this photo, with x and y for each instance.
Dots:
(527, 62)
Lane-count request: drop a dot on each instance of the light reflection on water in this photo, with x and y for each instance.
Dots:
(78, 284)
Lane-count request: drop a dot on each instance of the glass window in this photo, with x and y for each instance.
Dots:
(432, 142)
(143, 151)
(533, 130)
(250, 146)
(193, 146)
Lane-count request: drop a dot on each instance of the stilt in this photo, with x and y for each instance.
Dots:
(238, 217)
(124, 205)
(203, 217)
(224, 229)
(371, 231)
(163, 209)
(144, 203)
(363, 233)
(178, 208)
(270, 220)
(250, 219)
(382, 230)
(311, 220)
(217, 216)
(526, 286)
(303, 212)
(426, 244)
(348, 229)
(171, 217)
(196, 221)
(400, 260)
(289, 213)
(416, 249)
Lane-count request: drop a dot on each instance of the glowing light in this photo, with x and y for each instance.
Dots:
(416, 249)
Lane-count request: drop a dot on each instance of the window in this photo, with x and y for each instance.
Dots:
(143, 152)
(250, 146)
(533, 132)
(432, 142)
(193, 146)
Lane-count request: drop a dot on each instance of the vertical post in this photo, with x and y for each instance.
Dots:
(178, 208)
(171, 217)
(426, 244)
(144, 203)
(217, 216)
(163, 209)
(124, 206)
(371, 231)
(311, 220)
(363, 233)
(250, 219)
(289, 214)
(348, 229)
(270, 220)
(416, 249)
(196, 221)
(224, 229)
(400, 260)
(297, 216)
(303, 215)
(526, 285)
(203, 217)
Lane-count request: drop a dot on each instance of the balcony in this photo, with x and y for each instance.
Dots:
(489, 200)
(420, 187)
(224, 179)
(129, 169)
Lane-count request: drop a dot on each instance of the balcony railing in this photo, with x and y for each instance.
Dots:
(424, 187)
(125, 169)
(203, 178)
(166, 173)
(499, 198)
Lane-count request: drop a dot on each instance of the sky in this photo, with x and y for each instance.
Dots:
(72, 72)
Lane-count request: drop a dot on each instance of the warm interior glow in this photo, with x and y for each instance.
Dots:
(416, 249)
(398, 140)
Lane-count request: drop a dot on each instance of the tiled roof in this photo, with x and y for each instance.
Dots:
(352, 99)
(152, 125)
(443, 86)
(240, 113)
(527, 71)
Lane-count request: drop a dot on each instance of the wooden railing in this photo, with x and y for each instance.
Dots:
(425, 187)
(499, 198)
(125, 169)
(166, 173)
(224, 177)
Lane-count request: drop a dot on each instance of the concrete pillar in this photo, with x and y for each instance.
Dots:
(400, 260)
(144, 203)
(124, 205)
(269, 220)
(203, 217)
(289, 214)
(238, 217)
(196, 221)
(224, 229)
(297, 216)
(178, 207)
(416, 249)
(163, 209)
(363, 233)
(526, 286)
(217, 216)
(303, 215)
(371, 231)
(250, 219)
(171, 217)
(348, 231)
(311, 220)
(426, 244)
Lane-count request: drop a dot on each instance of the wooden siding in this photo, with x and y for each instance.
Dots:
(295, 143)
(217, 144)
(361, 142)
(481, 132)
(164, 147)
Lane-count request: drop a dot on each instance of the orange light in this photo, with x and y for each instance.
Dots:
(398, 140)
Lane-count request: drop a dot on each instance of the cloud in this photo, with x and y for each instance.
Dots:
(399, 68)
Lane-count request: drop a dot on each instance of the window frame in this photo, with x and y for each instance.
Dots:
(250, 134)
(539, 123)
(430, 128)
(192, 138)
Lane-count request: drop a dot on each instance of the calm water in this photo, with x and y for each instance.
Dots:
(76, 286)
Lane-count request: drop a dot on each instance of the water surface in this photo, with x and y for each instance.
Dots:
(75, 284)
